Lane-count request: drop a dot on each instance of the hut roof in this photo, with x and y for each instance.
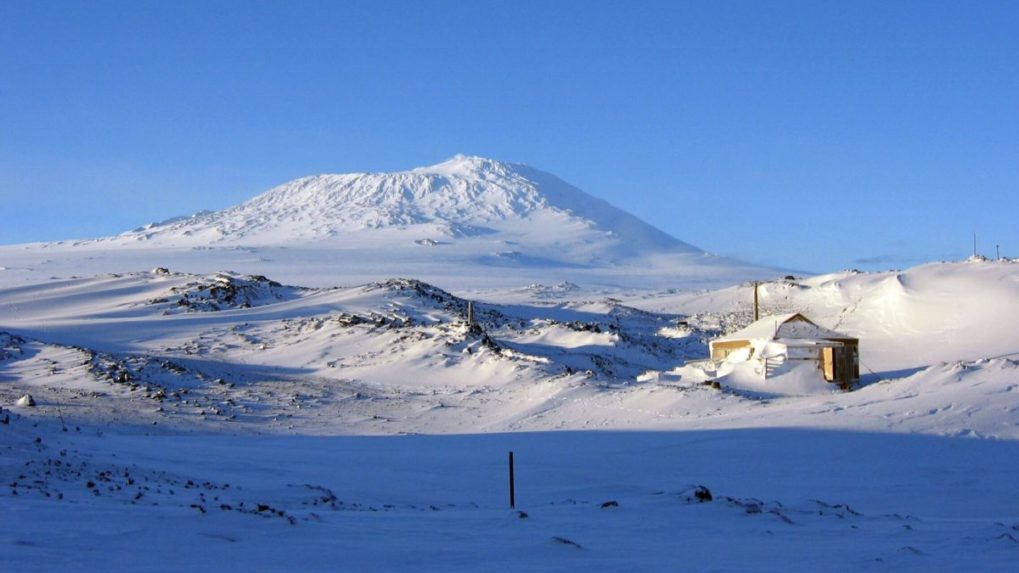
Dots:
(784, 326)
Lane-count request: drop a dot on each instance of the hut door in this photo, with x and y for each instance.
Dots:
(828, 363)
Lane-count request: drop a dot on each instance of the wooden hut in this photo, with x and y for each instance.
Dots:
(776, 340)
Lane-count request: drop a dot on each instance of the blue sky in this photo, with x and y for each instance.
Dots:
(812, 135)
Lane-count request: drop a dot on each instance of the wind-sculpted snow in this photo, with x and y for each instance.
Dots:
(238, 429)
(398, 355)
(364, 354)
(223, 291)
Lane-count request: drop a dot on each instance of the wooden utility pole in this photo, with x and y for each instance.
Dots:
(757, 309)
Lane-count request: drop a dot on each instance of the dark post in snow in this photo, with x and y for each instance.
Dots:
(757, 312)
(512, 485)
(470, 313)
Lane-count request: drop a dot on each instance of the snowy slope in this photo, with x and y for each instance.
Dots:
(398, 356)
(939, 312)
(214, 412)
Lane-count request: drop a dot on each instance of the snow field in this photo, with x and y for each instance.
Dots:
(782, 500)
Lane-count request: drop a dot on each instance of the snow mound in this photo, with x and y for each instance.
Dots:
(965, 398)
(905, 320)
(223, 291)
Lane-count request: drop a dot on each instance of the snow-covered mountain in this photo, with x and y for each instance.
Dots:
(468, 221)
(506, 203)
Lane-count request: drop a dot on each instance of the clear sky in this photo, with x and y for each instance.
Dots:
(812, 135)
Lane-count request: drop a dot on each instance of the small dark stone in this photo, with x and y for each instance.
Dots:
(702, 494)
(611, 503)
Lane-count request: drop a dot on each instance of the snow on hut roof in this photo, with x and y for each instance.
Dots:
(792, 325)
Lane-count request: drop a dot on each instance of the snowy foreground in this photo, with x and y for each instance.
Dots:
(782, 500)
(231, 422)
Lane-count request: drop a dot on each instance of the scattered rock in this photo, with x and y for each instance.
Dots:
(611, 503)
(696, 494)
(1007, 537)
(910, 549)
(564, 541)
(26, 401)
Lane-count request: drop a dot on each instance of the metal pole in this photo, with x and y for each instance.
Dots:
(512, 485)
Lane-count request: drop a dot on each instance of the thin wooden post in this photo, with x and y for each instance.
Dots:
(512, 485)
(757, 311)
(470, 313)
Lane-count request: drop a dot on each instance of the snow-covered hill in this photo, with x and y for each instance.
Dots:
(468, 221)
(397, 355)
(217, 411)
